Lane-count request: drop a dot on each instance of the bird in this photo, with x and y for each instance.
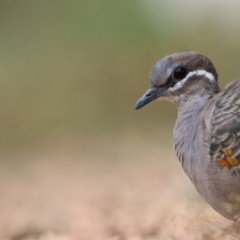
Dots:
(206, 135)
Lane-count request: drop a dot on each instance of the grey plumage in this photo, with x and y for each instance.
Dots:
(207, 130)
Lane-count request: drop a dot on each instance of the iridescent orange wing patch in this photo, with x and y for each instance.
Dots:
(226, 160)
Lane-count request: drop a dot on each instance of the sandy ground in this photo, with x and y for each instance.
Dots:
(61, 195)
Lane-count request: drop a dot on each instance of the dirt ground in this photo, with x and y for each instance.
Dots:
(66, 195)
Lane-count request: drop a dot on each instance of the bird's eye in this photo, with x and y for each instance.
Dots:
(180, 73)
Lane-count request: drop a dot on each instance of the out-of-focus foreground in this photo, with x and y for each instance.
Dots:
(76, 160)
(51, 198)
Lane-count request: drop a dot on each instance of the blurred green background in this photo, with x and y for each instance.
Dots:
(74, 69)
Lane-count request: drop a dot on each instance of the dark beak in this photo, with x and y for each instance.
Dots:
(151, 94)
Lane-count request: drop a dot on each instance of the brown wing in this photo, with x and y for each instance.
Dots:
(225, 137)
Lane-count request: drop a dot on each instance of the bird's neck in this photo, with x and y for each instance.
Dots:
(187, 139)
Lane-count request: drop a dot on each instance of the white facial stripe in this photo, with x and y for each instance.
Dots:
(202, 72)
(208, 75)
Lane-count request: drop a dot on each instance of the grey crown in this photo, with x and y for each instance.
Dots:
(207, 130)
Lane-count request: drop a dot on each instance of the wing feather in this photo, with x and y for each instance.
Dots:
(225, 129)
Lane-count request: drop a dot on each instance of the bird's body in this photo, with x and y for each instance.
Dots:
(193, 137)
(207, 130)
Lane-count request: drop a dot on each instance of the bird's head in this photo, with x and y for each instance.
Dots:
(179, 77)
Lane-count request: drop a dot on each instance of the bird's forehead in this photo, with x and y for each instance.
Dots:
(163, 68)
(161, 71)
